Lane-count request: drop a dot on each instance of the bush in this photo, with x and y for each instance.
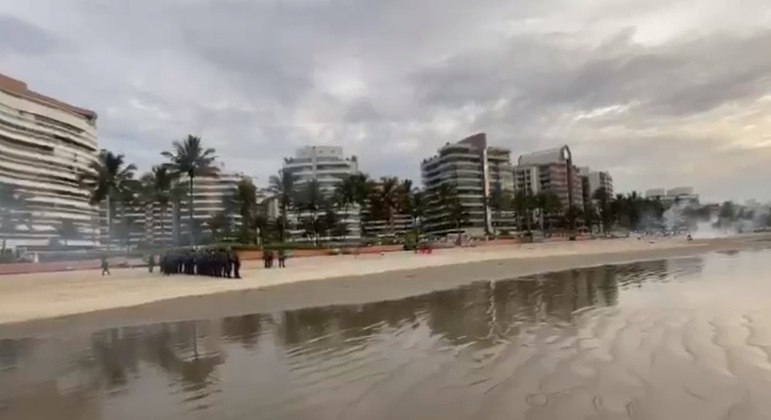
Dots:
(410, 241)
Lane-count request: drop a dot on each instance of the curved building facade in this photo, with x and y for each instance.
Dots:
(45, 145)
(328, 166)
(475, 170)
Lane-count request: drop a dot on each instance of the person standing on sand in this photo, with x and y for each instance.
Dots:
(236, 262)
(227, 264)
(271, 257)
(282, 258)
(105, 266)
(151, 263)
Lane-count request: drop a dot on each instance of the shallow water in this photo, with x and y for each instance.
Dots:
(679, 339)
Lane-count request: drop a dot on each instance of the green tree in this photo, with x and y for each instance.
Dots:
(261, 226)
(590, 216)
(283, 189)
(523, 204)
(13, 202)
(604, 208)
(352, 191)
(389, 196)
(310, 201)
(129, 201)
(246, 201)
(189, 158)
(177, 195)
(157, 186)
(219, 225)
(726, 214)
(67, 231)
(108, 178)
(549, 206)
(454, 210)
(499, 201)
(417, 208)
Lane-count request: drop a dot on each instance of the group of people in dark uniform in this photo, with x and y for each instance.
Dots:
(269, 256)
(205, 262)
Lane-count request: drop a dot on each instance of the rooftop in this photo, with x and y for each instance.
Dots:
(20, 89)
(544, 156)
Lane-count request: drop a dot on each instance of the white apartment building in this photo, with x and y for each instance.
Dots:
(45, 145)
(139, 223)
(475, 171)
(591, 181)
(549, 171)
(328, 166)
(600, 179)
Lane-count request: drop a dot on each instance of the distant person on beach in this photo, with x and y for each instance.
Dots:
(282, 258)
(151, 263)
(236, 263)
(105, 266)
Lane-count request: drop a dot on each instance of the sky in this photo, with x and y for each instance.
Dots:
(661, 93)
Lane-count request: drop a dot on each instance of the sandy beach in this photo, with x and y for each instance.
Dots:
(347, 279)
(672, 337)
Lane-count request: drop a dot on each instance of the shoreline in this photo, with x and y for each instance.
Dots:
(34, 304)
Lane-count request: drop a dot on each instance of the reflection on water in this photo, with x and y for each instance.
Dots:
(685, 338)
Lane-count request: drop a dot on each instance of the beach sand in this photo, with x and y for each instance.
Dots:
(85, 299)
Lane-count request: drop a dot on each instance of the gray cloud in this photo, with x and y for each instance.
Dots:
(660, 92)
(20, 37)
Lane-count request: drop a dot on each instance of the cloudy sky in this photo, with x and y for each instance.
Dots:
(659, 92)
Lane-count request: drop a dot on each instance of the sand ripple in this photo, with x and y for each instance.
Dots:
(681, 339)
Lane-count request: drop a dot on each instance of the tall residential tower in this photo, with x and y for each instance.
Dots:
(45, 145)
(328, 166)
(477, 172)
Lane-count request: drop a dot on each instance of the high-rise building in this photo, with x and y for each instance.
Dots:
(45, 145)
(591, 181)
(551, 171)
(477, 172)
(137, 223)
(328, 166)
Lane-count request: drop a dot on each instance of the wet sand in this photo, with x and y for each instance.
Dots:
(679, 338)
(40, 303)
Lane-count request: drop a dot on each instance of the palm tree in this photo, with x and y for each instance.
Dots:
(129, 198)
(591, 217)
(189, 158)
(260, 224)
(345, 193)
(390, 196)
(108, 177)
(246, 200)
(177, 195)
(417, 208)
(68, 230)
(312, 200)
(282, 188)
(548, 204)
(498, 201)
(602, 198)
(157, 186)
(217, 223)
(523, 204)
